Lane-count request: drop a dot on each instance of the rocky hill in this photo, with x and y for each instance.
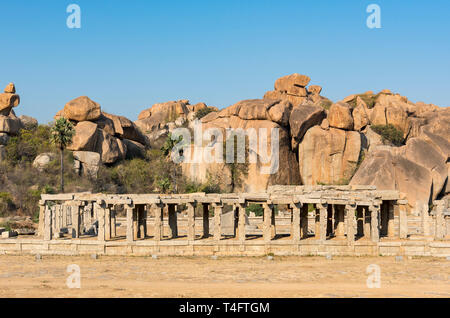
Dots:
(380, 139)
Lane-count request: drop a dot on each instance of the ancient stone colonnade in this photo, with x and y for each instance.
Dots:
(339, 212)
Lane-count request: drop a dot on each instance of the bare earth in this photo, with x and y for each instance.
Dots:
(293, 277)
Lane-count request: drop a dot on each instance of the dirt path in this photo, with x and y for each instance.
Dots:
(24, 276)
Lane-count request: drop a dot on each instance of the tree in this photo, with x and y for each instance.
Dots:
(172, 167)
(237, 169)
(62, 134)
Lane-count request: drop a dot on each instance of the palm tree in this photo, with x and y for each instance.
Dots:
(62, 134)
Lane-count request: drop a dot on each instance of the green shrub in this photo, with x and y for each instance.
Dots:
(255, 208)
(389, 134)
(203, 112)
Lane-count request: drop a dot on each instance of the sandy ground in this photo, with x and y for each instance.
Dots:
(24, 276)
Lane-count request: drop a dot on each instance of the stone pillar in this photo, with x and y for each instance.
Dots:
(390, 220)
(100, 211)
(403, 219)
(304, 221)
(384, 218)
(340, 225)
(191, 221)
(425, 219)
(218, 207)
(374, 211)
(317, 223)
(173, 222)
(367, 227)
(360, 221)
(296, 221)
(76, 220)
(323, 221)
(135, 223)
(273, 229)
(64, 215)
(268, 211)
(41, 228)
(205, 220)
(114, 221)
(350, 211)
(107, 223)
(439, 229)
(142, 220)
(241, 222)
(330, 217)
(48, 226)
(158, 229)
(130, 222)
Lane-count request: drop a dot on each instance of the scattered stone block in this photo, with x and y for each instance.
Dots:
(329, 257)
(270, 258)
(58, 235)
(155, 256)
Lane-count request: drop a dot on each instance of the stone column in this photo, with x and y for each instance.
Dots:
(268, 211)
(48, 226)
(317, 223)
(41, 228)
(158, 229)
(296, 221)
(403, 219)
(64, 215)
(191, 221)
(367, 227)
(439, 230)
(218, 207)
(323, 221)
(330, 217)
(390, 220)
(142, 219)
(114, 221)
(384, 218)
(173, 222)
(130, 222)
(100, 211)
(241, 222)
(425, 219)
(360, 221)
(135, 223)
(76, 220)
(375, 210)
(304, 221)
(350, 211)
(107, 223)
(205, 220)
(340, 226)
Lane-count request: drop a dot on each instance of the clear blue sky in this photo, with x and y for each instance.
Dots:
(131, 54)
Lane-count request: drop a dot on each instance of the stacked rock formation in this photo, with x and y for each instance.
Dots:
(294, 89)
(157, 121)
(10, 124)
(100, 137)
